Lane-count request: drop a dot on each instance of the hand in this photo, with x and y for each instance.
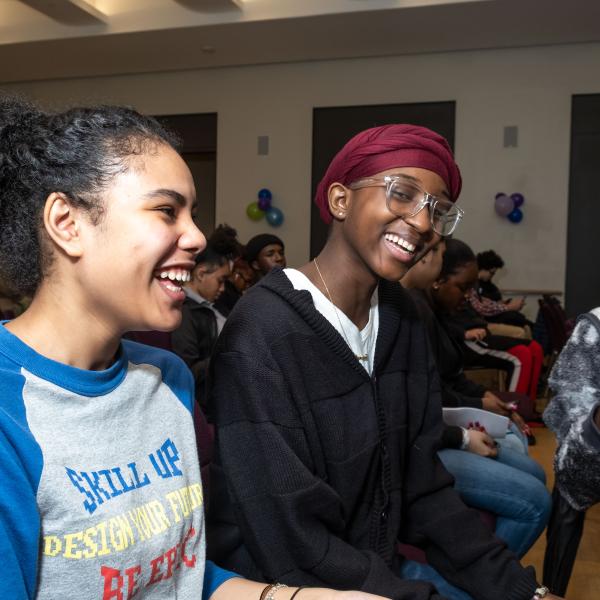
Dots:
(520, 423)
(515, 304)
(492, 403)
(553, 597)
(475, 335)
(481, 443)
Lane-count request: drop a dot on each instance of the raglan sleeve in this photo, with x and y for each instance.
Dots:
(20, 470)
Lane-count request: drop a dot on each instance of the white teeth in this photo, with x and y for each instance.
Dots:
(404, 244)
(173, 288)
(176, 275)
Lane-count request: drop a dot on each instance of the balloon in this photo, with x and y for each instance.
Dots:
(274, 217)
(264, 194)
(515, 215)
(518, 199)
(264, 203)
(503, 205)
(253, 211)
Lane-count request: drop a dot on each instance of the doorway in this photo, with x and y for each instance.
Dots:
(198, 134)
(583, 277)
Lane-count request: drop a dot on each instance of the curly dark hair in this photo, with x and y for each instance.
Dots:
(489, 260)
(224, 240)
(457, 255)
(77, 153)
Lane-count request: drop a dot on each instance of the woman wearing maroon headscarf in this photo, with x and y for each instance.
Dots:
(328, 408)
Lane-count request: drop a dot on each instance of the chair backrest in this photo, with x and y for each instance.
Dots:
(555, 320)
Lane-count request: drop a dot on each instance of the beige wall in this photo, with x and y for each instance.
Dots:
(530, 88)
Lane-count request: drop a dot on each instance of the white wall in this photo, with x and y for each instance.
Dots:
(530, 88)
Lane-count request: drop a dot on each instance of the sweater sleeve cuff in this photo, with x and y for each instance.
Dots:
(591, 433)
(214, 577)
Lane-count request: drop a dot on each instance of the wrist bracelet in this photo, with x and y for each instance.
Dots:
(269, 592)
(540, 593)
(298, 590)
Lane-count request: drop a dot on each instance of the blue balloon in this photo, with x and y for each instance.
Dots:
(274, 217)
(264, 194)
(518, 199)
(515, 216)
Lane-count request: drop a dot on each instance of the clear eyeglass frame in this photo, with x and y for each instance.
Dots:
(446, 221)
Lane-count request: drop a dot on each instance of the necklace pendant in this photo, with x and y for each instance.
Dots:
(362, 356)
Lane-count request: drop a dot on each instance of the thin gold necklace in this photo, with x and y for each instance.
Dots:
(337, 314)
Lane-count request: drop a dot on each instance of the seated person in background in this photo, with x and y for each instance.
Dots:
(522, 359)
(574, 416)
(327, 402)
(263, 252)
(437, 291)
(487, 300)
(224, 240)
(489, 476)
(201, 322)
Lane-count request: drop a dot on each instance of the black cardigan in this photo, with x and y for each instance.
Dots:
(320, 469)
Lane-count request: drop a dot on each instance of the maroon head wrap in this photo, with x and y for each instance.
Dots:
(380, 148)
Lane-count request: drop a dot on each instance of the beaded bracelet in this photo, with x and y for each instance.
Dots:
(269, 592)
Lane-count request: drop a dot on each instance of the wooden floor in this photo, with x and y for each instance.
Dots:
(585, 582)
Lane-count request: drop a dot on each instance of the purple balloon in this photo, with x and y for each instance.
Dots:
(503, 205)
(264, 203)
(518, 199)
(515, 215)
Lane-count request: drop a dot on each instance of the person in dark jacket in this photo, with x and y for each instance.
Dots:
(201, 322)
(489, 476)
(327, 404)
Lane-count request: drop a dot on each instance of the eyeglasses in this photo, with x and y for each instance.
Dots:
(405, 199)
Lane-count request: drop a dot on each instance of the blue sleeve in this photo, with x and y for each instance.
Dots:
(175, 373)
(214, 577)
(20, 471)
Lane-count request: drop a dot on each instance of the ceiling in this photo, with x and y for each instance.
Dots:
(50, 39)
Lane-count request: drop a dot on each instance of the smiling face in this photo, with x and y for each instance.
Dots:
(136, 260)
(388, 244)
(449, 293)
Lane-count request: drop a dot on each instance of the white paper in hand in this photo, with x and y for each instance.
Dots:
(477, 418)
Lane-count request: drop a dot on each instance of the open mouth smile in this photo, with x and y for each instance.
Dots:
(172, 280)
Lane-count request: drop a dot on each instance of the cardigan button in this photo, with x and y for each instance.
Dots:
(383, 515)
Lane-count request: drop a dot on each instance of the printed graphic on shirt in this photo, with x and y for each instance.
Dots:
(120, 496)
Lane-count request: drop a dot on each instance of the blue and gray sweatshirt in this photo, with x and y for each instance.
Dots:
(100, 490)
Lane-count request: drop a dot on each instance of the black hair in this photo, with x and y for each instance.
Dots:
(489, 260)
(211, 257)
(224, 240)
(457, 255)
(77, 153)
